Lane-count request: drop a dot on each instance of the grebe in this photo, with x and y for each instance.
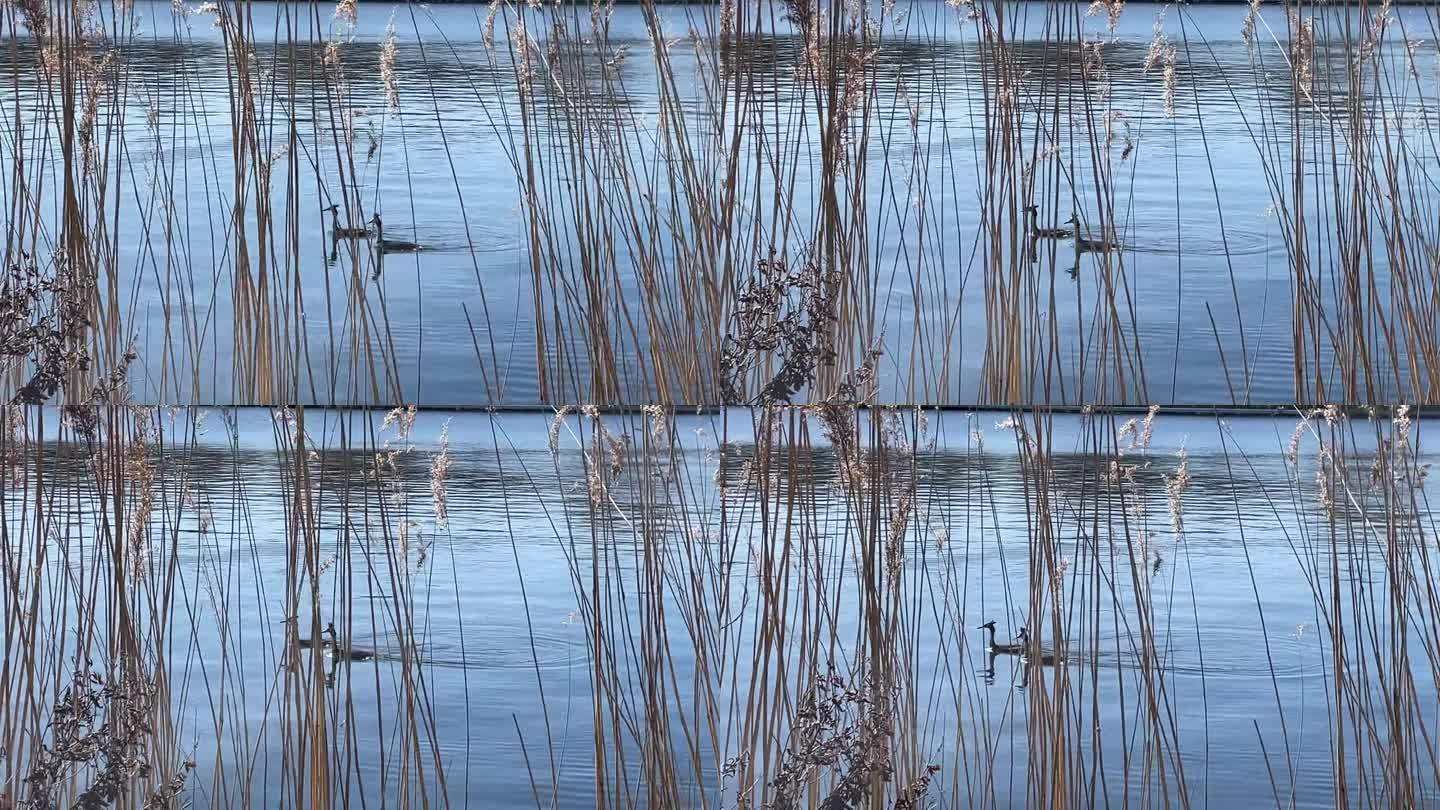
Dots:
(337, 233)
(1035, 233)
(384, 245)
(334, 650)
(307, 643)
(1087, 245)
(1002, 649)
(1038, 232)
(310, 644)
(1039, 656)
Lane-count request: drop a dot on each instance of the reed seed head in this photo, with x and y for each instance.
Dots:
(387, 67)
(439, 476)
(347, 12)
(1247, 25)
(557, 422)
(1175, 487)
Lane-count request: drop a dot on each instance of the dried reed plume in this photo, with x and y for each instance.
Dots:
(492, 12)
(439, 475)
(556, 423)
(1175, 487)
(347, 12)
(1247, 25)
(1302, 52)
(1112, 10)
(1162, 54)
(387, 67)
(139, 476)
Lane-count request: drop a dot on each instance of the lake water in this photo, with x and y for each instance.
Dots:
(498, 624)
(1191, 202)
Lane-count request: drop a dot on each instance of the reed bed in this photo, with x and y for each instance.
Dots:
(775, 613)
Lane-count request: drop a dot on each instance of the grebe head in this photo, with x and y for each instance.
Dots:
(1073, 220)
(331, 208)
(990, 625)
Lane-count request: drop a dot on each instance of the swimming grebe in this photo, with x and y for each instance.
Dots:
(334, 650)
(1038, 656)
(1038, 232)
(1002, 649)
(384, 245)
(1087, 245)
(308, 644)
(337, 233)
